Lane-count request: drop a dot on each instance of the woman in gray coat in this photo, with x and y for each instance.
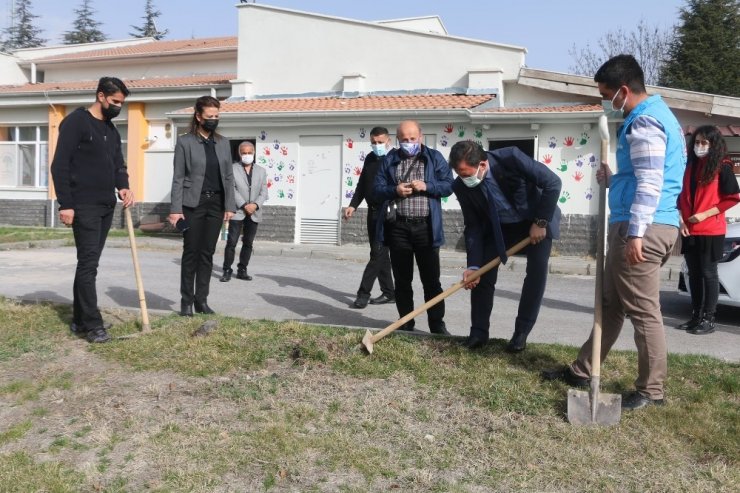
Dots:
(202, 200)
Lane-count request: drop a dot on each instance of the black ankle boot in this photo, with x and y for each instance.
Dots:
(696, 318)
(241, 273)
(203, 308)
(227, 275)
(706, 326)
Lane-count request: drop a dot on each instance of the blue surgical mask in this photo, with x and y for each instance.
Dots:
(610, 111)
(472, 181)
(410, 148)
(379, 149)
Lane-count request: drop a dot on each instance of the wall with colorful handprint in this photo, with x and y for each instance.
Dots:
(570, 150)
(277, 152)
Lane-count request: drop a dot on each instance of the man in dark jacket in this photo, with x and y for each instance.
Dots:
(505, 196)
(414, 178)
(379, 265)
(87, 169)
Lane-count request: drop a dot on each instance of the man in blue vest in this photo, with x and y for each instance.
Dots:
(643, 226)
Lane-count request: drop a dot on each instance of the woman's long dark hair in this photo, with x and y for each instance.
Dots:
(717, 151)
(202, 103)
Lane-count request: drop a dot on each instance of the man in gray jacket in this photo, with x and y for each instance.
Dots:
(250, 183)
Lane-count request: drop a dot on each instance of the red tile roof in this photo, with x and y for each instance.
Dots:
(90, 85)
(566, 108)
(152, 48)
(365, 103)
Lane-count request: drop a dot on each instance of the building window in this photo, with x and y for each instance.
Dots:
(123, 131)
(24, 156)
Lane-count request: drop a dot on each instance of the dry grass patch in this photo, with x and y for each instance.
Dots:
(261, 406)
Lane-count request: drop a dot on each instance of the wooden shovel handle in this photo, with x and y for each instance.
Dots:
(137, 272)
(449, 291)
(599, 291)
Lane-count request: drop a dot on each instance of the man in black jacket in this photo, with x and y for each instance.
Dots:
(379, 265)
(87, 169)
(505, 196)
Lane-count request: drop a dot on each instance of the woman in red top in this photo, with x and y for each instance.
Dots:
(709, 189)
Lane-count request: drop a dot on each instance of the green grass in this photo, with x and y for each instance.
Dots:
(21, 474)
(293, 407)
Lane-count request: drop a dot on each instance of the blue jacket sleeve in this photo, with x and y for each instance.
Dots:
(441, 186)
(385, 181)
(473, 231)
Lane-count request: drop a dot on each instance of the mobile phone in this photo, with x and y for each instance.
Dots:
(182, 225)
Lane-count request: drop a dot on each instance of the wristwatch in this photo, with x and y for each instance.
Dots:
(540, 223)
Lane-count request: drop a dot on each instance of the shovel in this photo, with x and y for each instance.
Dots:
(593, 407)
(369, 339)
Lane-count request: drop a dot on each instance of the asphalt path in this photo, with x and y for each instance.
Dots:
(321, 291)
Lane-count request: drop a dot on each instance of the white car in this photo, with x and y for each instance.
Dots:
(728, 269)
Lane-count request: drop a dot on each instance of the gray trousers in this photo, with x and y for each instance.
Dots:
(634, 291)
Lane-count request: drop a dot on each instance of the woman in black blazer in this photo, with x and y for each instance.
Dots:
(202, 199)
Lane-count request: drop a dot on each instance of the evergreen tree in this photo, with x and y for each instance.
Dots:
(85, 27)
(22, 34)
(705, 54)
(149, 29)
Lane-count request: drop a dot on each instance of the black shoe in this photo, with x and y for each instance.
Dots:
(98, 335)
(566, 375)
(408, 326)
(203, 308)
(518, 343)
(227, 275)
(360, 303)
(635, 400)
(242, 274)
(186, 309)
(696, 318)
(440, 330)
(474, 342)
(382, 300)
(79, 331)
(706, 326)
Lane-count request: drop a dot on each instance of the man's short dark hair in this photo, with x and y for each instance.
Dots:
(621, 70)
(466, 151)
(378, 131)
(111, 85)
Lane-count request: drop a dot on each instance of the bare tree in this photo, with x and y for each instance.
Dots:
(648, 44)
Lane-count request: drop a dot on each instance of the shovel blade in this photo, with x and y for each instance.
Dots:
(608, 410)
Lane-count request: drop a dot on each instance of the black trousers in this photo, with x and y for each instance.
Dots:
(248, 229)
(533, 288)
(409, 241)
(379, 265)
(703, 280)
(199, 244)
(90, 227)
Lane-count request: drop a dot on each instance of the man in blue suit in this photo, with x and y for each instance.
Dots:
(505, 196)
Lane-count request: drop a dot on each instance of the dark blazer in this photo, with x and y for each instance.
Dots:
(190, 170)
(245, 193)
(437, 176)
(366, 183)
(528, 185)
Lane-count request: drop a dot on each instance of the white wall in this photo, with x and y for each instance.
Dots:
(150, 69)
(10, 72)
(287, 52)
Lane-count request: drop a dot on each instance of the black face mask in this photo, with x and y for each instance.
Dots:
(209, 125)
(111, 111)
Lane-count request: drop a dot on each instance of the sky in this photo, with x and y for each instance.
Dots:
(547, 28)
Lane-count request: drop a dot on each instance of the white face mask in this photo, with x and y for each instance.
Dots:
(247, 159)
(610, 111)
(472, 181)
(380, 150)
(701, 151)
